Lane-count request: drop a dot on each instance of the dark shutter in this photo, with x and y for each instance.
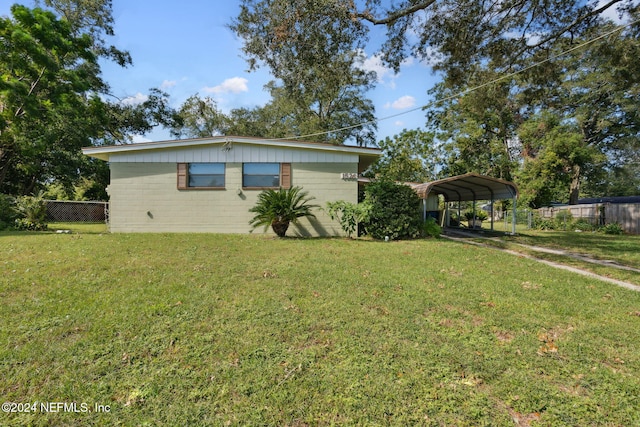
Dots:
(183, 181)
(285, 175)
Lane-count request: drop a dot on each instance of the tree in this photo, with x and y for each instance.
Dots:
(94, 18)
(409, 157)
(200, 118)
(456, 35)
(46, 73)
(51, 103)
(476, 128)
(313, 48)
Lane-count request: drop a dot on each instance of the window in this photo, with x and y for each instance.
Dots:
(201, 175)
(261, 175)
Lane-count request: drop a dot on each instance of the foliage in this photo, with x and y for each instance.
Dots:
(312, 331)
(563, 219)
(32, 212)
(314, 50)
(278, 208)
(478, 214)
(430, 228)
(613, 228)
(583, 224)
(455, 35)
(8, 212)
(200, 118)
(409, 157)
(395, 211)
(349, 214)
(54, 101)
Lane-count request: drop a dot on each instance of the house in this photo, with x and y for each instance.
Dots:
(209, 184)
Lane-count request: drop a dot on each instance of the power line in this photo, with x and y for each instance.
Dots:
(467, 91)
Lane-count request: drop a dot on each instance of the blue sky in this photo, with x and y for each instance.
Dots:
(185, 48)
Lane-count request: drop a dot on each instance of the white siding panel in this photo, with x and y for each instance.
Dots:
(240, 153)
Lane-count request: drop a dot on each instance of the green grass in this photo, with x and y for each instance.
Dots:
(186, 329)
(624, 249)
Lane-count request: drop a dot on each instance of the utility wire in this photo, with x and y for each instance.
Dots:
(466, 91)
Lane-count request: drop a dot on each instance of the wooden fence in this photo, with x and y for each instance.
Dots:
(625, 214)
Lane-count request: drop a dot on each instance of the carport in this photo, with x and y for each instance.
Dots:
(471, 187)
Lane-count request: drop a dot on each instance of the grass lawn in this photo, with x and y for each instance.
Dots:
(187, 329)
(624, 249)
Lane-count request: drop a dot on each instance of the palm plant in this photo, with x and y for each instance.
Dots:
(278, 208)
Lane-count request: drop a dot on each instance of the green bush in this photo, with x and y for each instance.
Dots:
(582, 225)
(395, 211)
(24, 224)
(613, 228)
(279, 208)
(540, 223)
(430, 228)
(563, 219)
(349, 214)
(479, 214)
(8, 213)
(32, 211)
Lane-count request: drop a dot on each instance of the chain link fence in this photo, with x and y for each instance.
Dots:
(77, 211)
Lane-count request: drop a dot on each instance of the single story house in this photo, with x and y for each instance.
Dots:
(209, 184)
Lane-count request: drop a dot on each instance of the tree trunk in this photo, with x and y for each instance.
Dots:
(574, 189)
(280, 227)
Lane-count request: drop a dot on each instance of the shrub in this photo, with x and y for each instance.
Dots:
(582, 225)
(8, 213)
(278, 208)
(479, 214)
(348, 214)
(563, 219)
(32, 211)
(430, 228)
(613, 228)
(543, 224)
(24, 224)
(395, 211)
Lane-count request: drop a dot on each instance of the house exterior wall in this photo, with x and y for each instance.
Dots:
(144, 196)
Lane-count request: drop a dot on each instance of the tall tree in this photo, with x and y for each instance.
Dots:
(407, 157)
(46, 71)
(94, 18)
(200, 118)
(460, 34)
(476, 129)
(313, 48)
(51, 103)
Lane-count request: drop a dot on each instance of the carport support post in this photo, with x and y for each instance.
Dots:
(513, 218)
(492, 213)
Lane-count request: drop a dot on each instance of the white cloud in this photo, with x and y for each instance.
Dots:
(374, 63)
(137, 99)
(399, 123)
(403, 102)
(232, 85)
(168, 84)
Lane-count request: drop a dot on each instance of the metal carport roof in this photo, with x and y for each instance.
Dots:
(467, 187)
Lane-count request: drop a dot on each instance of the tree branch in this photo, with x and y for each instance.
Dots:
(574, 24)
(393, 17)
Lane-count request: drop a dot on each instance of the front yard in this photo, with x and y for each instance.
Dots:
(168, 329)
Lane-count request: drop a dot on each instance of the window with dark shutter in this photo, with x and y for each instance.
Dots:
(201, 176)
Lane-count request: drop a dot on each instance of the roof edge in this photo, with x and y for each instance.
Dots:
(103, 152)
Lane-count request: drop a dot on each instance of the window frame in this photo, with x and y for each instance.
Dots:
(184, 176)
(284, 176)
